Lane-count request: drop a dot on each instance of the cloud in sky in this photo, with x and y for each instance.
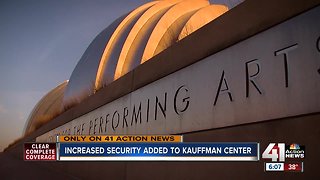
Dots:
(15, 107)
(3, 110)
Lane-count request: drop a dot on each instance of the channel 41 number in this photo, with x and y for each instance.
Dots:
(108, 138)
(274, 152)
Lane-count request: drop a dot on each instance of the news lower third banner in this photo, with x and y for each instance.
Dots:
(159, 151)
(139, 148)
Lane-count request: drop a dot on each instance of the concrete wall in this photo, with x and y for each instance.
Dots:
(242, 22)
(193, 98)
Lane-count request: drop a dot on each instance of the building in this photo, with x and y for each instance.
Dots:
(252, 74)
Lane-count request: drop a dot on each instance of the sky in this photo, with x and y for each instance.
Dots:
(41, 42)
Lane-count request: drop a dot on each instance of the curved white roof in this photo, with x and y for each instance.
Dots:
(128, 42)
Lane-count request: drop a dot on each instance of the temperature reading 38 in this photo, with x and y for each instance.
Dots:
(293, 166)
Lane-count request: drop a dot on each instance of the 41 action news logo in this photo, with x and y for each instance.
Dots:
(280, 152)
